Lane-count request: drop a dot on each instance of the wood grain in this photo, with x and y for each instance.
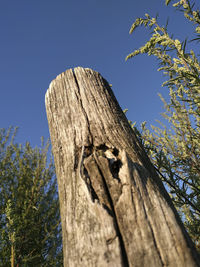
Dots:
(114, 209)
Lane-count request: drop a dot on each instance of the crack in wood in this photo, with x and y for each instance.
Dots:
(87, 137)
(94, 164)
(108, 179)
(94, 181)
(110, 240)
(99, 168)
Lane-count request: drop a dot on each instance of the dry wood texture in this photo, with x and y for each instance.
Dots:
(114, 208)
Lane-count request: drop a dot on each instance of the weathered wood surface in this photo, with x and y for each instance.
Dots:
(114, 208)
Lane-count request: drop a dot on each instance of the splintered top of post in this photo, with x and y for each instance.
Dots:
(61, 75)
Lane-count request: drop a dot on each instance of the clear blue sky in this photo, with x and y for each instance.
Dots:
(42, 38)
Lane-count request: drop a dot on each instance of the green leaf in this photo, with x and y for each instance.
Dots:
(167, 2)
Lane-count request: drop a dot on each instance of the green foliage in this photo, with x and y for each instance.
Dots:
(175, 150)
(30, 230)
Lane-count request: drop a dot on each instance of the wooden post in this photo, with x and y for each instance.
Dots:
(114, 208)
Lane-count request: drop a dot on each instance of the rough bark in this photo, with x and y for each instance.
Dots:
(114, 208)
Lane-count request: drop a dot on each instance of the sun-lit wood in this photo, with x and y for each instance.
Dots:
(114, 208)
